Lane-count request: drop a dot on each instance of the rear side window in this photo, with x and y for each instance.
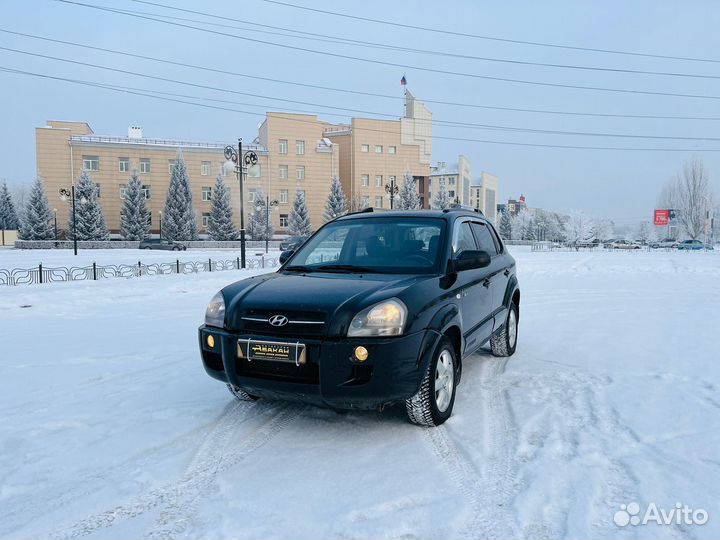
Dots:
(484, 238)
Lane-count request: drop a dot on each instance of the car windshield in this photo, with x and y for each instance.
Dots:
(392, 245)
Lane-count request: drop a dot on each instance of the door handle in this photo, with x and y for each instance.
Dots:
(486, 283)
(506, 273)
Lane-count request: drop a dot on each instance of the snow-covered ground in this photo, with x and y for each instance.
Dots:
(109, 427)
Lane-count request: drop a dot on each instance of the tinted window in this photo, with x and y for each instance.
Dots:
(484, 238)
(464, 239)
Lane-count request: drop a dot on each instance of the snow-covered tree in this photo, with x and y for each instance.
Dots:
(408, 198)
(8, 215)
(37, 216)
(336, 204)
(179, 215)
(556, 228)
(90, 222)
(260, 226)
(134, 215)
(579, 228)
(441, 201)
(645, 233)
(521, 224)
(602, 228)
(220, 223)
(505, 226)
(299, 220)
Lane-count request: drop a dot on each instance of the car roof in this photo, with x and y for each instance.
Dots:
(448, 215)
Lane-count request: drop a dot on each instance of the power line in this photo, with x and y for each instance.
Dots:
(357, 92)
(129, 90)
(325, 38)
(394, 64)
(374, 113)
(491, 38)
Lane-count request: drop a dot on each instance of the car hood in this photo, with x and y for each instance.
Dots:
(333, 298)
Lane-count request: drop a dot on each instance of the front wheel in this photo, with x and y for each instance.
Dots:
(503, 343)
(433, 403)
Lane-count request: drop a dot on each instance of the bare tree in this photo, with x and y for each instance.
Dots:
(691, 196)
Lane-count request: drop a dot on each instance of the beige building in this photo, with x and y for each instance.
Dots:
(484, 195)
(295, 152)
(457, 180)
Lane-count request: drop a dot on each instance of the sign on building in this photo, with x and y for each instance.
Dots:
(662, 218)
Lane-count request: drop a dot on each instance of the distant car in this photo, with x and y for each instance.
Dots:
(665, 243)
(622, 244)
(693, 245)
(292, 243)
(157, 243)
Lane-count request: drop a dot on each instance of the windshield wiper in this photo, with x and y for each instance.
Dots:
(299, 268)
(346, 268)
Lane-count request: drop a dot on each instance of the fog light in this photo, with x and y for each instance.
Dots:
(361, 353)
(211, 341)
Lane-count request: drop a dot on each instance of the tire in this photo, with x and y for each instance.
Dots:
(430, 406)
(176, 248)
(504, 342)
(241, 394)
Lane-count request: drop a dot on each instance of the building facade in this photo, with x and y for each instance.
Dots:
(484, 195)
(457, 179)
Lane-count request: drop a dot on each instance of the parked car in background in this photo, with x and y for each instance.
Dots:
(161, 243)
(665, 243)
(622, 244)
(292, 243)
(693, 245)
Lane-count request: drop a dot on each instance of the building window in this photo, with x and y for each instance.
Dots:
(206, 193)
(206, 219)
(144, 166)
(365, 201)
(282, 146)
(97, 189)
(451, 180)
(124, 164)
(300, 172)
(283, 172)
(205, 168)
(300, 147)
(146, 191)
(451, 194)
(171, 164)
(91, 163)
(391, 180)
(284, 196)
(378, 180)
(392, 149)
(365, 180)
(378, 202)
(365, 148)
(283, 220)
(123, 190)
(378, 149)
(223, 171)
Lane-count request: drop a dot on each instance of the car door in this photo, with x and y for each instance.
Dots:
(499, 270)
(472, 291)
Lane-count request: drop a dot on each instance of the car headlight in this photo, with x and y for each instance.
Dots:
(215, 313)
(384, 319)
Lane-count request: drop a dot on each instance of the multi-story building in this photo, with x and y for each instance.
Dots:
(516, 206)
(457, 179)
(483, 195)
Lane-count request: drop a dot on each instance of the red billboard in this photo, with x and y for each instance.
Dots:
(662, 217)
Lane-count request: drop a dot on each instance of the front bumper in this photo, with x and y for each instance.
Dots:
(331, 375)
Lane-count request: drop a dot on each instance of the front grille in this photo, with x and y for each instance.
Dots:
(300, 323)
(279, 371)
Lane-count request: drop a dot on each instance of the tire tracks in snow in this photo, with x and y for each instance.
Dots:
(216, 453)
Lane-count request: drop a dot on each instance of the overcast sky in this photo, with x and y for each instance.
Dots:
(622, 185)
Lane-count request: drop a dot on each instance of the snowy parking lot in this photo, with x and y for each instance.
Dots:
(110, 427)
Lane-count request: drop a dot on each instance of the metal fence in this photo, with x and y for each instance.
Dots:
(45, 274)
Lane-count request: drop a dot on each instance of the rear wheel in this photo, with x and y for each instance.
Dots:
(433, 403)
(503, 343)
(241, 394)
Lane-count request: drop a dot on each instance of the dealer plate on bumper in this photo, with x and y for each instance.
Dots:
(275, 351)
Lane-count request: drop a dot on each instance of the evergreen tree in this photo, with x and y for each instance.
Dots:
(299, 220)
(37, 216)
(408, 198)
(336, 204)
(90, 222)
(260, 227)
(179, 216)
(8, 216)
(505, 228)
(220, 224)
(441, 201)
(134, 215)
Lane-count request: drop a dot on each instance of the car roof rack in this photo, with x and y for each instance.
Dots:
(462, 207)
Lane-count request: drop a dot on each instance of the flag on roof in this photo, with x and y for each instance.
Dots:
(403, 81)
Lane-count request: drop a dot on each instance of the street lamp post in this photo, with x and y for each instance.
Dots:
(55, 214)
(241, 162)
(393, 190)
(268, 204)
(160, 234)
(65, 195)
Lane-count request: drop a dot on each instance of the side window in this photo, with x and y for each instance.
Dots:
(463, 239)
(484, 238)
(496, 237)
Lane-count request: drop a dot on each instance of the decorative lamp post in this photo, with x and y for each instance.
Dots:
(55, 215)
(65, 195)
(268, 204)
(393, 190)
(160, 214)
(239, 162)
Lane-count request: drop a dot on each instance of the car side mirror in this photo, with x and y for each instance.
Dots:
(285, 255)
(470, 259)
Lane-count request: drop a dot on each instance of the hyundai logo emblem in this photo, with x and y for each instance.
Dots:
(278, 320)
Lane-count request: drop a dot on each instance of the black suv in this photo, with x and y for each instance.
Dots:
(375, 308)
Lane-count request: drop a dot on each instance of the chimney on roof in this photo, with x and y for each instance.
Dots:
(135, 132)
